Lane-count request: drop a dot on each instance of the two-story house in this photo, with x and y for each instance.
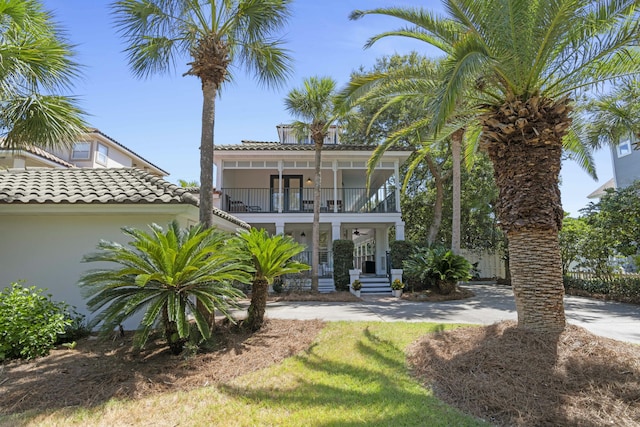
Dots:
(270, 185)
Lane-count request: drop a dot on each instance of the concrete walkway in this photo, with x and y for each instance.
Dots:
(491, 304)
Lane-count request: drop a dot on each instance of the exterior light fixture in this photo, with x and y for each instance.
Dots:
(309, 182)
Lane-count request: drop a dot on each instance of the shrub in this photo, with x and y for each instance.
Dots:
(439, 266)
(399, 251)
(164, 275)
(619, 288)
(356, 285)
(30, 322)
(342, 263)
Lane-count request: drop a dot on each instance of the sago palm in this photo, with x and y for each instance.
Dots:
(270, 257)
(313, 104)
(162, 275)
(526, 61)
(36, 63)
(212, 38)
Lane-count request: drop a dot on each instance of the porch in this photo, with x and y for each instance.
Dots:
(288, 200)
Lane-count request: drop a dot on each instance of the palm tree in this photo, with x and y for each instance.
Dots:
(270, 257)
(215, 36)
(36, 64)
(526, 61)
(314, 104)
(164, 274)
(416, 82)
(613, 118)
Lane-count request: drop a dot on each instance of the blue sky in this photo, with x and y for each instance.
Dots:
(159, 117)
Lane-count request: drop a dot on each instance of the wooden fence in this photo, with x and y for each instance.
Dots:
(489, 264)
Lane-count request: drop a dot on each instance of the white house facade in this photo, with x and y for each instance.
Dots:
(270, 185)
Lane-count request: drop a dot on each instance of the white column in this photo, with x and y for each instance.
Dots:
(280, 197)
(400, 230)
(335, 185)
(279, 227)
(335, 231)
(381, 250)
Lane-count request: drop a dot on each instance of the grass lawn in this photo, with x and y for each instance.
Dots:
(353, 374)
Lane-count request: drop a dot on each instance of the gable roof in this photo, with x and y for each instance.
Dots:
(276, 146)
(133, 153)
(37, 151)
(602, 190)
(100, 186)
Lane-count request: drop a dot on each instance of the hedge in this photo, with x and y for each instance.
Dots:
(617, 288)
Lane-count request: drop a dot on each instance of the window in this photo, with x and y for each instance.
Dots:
(624, 148)
(102, 153)
(81, 151)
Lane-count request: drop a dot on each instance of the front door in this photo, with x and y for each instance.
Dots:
(291, 196)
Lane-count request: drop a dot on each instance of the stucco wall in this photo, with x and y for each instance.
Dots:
(46, 250)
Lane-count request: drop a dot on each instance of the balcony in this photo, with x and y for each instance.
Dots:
(295, 200)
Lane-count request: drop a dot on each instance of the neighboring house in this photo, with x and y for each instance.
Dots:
(626, 168)
(50, 218)
(93, 150)
(626, 164)
(270, 185)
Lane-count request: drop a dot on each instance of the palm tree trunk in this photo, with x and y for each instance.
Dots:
(315, 250)
(206, 153)
(524, 142)
(536, 278)
(456, 148)
(259, 292)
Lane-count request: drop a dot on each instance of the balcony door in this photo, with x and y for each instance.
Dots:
(291, 197)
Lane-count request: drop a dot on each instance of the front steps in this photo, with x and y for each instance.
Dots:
(375, 285)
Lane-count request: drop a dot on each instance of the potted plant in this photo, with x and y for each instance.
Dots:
(355, 287)
(396, 288)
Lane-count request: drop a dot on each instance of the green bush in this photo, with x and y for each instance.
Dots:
(30, 323)
(399, 250)
(342, 263)
(619, 288)
(437, 265)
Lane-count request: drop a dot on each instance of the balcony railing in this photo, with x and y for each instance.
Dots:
(344, 200)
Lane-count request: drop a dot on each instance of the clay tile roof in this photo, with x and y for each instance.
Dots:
(104, 186)
(276, 146)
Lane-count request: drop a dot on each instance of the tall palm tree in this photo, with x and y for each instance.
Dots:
(526, 60)
(36, 64)
(211, 37)
(270, 257)
(314, 105)
(161, 274)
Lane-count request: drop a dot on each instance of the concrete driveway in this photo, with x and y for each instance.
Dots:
(491, 304)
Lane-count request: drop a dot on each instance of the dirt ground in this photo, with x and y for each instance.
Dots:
(497, 373)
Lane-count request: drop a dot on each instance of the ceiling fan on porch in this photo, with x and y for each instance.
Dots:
(357, 233)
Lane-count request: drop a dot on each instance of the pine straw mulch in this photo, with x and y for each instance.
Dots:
(509, 377)
(96, 371)
(431, 295)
